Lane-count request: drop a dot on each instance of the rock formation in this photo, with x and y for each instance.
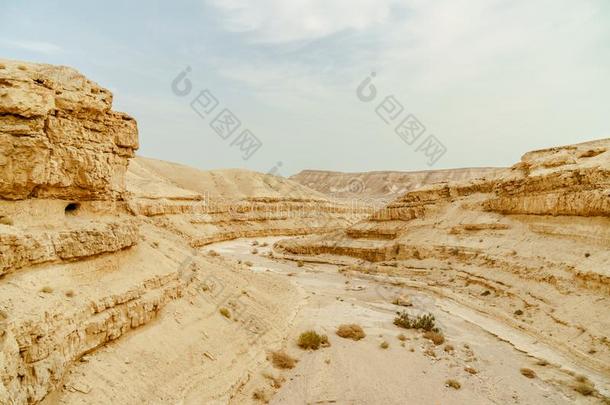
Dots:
(534, 237)
(59, 137)
(84, 259)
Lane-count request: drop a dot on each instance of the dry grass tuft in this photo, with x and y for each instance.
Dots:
(449, 348)
(542, 363)
(276, 382)
(455, 384)
(282, 360)
(255, 243)
(213, 253)
(264, 244)
(70, 293)
(260, 395)
(528, 372)
(311, 340)
(300, 263)
(225, 312)
(351, 331)
(46, 289)
(248, 263)
(436, 337)
(384, 345)
(584, 386)
(585, 389)
(402, 337)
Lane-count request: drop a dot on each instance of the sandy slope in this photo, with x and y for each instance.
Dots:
(157, 178)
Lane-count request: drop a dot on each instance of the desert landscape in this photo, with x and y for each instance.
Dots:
(131, 280)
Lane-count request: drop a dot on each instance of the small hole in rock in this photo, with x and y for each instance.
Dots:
(72, 208)
(4, 220)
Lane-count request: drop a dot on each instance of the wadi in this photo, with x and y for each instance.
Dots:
(129, 280)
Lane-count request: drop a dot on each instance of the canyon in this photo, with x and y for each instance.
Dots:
(125, 279)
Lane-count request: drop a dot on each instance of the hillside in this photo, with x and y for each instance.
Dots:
(383, 185)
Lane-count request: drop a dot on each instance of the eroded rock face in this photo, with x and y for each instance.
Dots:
(58, 135)
(63, 158)
(85, 259)
(536, 235)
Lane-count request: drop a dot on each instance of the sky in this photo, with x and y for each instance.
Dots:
(346, 85)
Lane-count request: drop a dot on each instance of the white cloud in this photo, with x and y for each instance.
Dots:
(33, 46)
(277, 21)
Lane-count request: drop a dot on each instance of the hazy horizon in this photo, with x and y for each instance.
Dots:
(490, 80)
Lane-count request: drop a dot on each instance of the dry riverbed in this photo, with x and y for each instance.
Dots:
(479, 362)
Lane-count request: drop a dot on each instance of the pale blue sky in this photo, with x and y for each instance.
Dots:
(490, 79)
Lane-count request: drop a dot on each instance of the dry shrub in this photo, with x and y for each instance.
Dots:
(264, 244)
(585, 389)
(225, 312)
(255, 243)
(46, 289)
(528, 372)
(248, 263)
(254, 251)
(311, 340)
(276, 382)
(518, 312)
(455, 384)
(384, 345)
(430, 352)
(70, 293)
(351, 331)
(542, 363)
(261, 395)
(581, 378)
(300, 263)
(583, 386)
(213, 253)
(402, 337)
(436, 337)
(449, 348)
(470, 370)
(282, 360)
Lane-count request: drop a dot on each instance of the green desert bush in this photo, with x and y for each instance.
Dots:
(423, 322)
